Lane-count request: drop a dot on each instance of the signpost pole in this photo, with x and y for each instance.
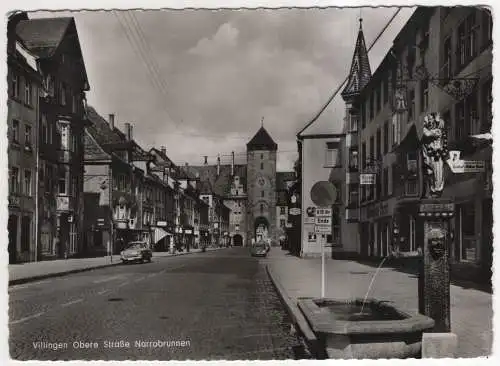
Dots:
(323, 277)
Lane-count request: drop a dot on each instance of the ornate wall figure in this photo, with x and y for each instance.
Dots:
(434, 152)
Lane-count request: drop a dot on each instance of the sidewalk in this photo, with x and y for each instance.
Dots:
(33, 271)
(471, 310)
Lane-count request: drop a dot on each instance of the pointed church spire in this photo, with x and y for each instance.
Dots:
(360, 72)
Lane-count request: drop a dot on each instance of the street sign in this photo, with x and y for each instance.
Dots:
(323, 193)
(294, 211)
(466, 166)
(320, 229)
(322, 212)
(323, 221)
(367, 179)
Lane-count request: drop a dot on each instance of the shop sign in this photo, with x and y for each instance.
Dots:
(367, 179)
(294, 211)
(161, 223)
(324, 221)
(309, 220)
(188, 231)
(437, 207)
(322, 229)
(323, 212)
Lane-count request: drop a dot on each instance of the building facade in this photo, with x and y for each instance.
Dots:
(24, 88)
(440, 62)
(59, 134)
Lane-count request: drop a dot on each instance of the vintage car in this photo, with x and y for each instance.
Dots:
(259, 250)
(136, 251)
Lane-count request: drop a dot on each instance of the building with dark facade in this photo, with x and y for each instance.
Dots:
(61, 122)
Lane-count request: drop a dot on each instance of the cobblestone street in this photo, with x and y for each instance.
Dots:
(220, 304)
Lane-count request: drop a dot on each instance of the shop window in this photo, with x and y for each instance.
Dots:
(467, 227)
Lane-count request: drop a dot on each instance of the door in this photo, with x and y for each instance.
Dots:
(12, 227)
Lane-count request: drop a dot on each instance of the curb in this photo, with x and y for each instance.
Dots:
(298, 318)
(20, 281)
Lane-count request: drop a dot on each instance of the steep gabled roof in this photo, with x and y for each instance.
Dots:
(101, 131)
(43, 36)
(360, 72)
(262, 141)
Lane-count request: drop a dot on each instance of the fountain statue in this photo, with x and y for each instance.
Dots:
(434, 151)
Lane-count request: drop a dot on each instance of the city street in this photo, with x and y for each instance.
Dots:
(214, 305)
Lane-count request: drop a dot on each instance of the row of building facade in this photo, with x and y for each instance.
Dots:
(78, 186)
(441, 61)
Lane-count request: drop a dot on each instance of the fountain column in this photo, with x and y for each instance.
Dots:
(434, 280)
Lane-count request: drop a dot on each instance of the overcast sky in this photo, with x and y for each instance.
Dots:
(206, 77)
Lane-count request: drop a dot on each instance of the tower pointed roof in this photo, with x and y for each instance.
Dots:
(262, 141)
(360, 72)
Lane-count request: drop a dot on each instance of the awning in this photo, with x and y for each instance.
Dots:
(159, 234)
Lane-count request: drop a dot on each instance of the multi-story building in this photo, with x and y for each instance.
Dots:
(439, 62)
(55, 43)
(114, 187)
(24, 86)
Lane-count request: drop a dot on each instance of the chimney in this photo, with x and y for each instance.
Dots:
(218, 165)
(127, 130)
(163, 150)
(232, 163)
(130, 135)
(206, 162)
(112, 121)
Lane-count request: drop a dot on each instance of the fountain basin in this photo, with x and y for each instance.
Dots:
(380, 330)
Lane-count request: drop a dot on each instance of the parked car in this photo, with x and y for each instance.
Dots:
(136, 251)
(259, 250)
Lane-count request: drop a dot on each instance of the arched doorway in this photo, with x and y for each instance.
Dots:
(261, 229)
(237, 240)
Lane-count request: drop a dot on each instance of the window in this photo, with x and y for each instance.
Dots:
(261, 156)
(74, 186)
(363, 155)
(378, 99)
(411, 162)
(385, 183)
(386, 137)
(353, 127)
(411, 105)
(261, 166)
(25, 233)
(64, 141)
(424, 95)
(282, 223)
(261, 208)
(353, 194)
(45, 130)
(15, 131)
(371, 157)
(353, 160)
(379, 145)
(332, 158)
(371, 106)
(14, 180)
(27, 182)
(472, 114)
(27, 135)
(282, 210)
(363, 114)
(15, 85)
(262, 193)
(487, 27)
(447, 73)
(467, 40)
(386, 89)
(389, 180)
(62, 182)
(487, 106)
(28, 90)
(62, 95)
